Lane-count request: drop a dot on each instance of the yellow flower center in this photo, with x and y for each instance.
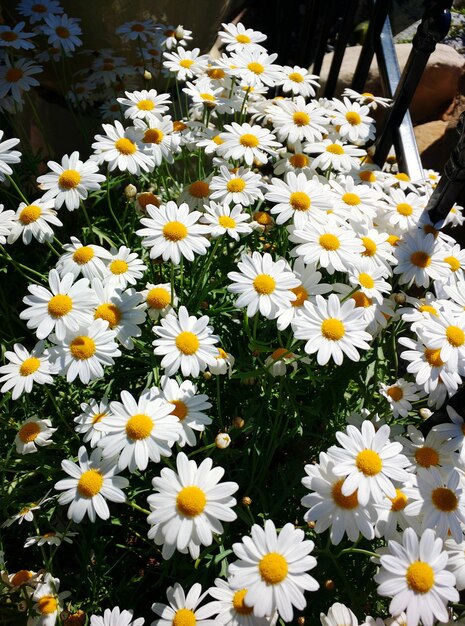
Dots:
(47, 605)
(139, 426)
(216, 73)
(174, 231)
(9, 35)
(453, 262)
(29, 432)
(426, 457)
(208, 97)
(404, 209)
(368, 176)
(263, 218)
(158, 298)
(433, 357)
(90, 483)
(118, 267)
(243, 38)
(125, 146)
(145, 105)
(353, 118)
(60, 305)
(369, 462)
(361, 300)
(21, 577)
(83, 255)
(420, 259)
(393, 239)
(299, 160)
(428, 229)
(29, 366)
(153, 135)
(420, 576)
(444, 499)
(146, 198)
(332, 329)
(191, 501)
(351, 199)
(235, 185)
(395, 393)
(226, 222)
(273, 568)
(403, 177)
(301, 118)
(69, 179)
(13, 75)
(238, 603)
(180, 409)
(329, 241)
(199, 189)
(82, 347)
(256, 68)
(184, 617)
(300, 201)
(222, 354)
(178, 126)
(30, 214)
(248, 140)
(62, 32)
(187, 343)
(109, 312)
(264, 284)
(296, 77)
(366, 280)
(98, 417)
(399, 502)
(455, 336)
(281, 353)
(186, 63)
(427, 308)
(217, 139)
(335, 148)
(370, 247)
(302, 295)
(344, 502)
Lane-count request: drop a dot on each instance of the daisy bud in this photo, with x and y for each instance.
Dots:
(130, 191)
(238, 422)
(300, 620)
(204, 304)
(222, 441)
(400, 298)
(330, 584)
(22, 606)
(425, 413)
(311, 525)
(147, 75)
(246, 501)
(207, 375)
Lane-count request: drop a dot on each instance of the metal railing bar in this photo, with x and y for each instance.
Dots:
(327, 12)
(341, 45)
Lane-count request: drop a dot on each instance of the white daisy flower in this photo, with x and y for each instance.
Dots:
(87, 422)
(17, 76)
(445, 332)
(223, 365)
(366, 98)
(123, 149)
(440, 503)
(137, 29)
(237, 37)
(296, 162)
(404, 210)
(223, 220)
(453, 430)
(338, 615)
(329, 508)
(62, 32)
(263, 284)
(123, 310)
(139, 431)
(186, 343)
(400, 395)
(254, 67)
(65, 306)
(456, 562)
(298, 81)
(205, 96)
(47, 601)
(419, 259)
(391, 515)
(21, 578)
(189, 506)
(6, 222)
(36, 11)
(377, 250)
(189, 407)
(335, 155)
(8, 156)
(454, 256)
(332, 329)
(185, 63)
(89, 260)
(332, 245)
(369, 280)
(279, 360)
(70, 182)
(413, 574)
(239, 186)
(369, 462)
(159, 299)
(196, 194)
(230, 606)
(25, 369)
(51, 538)
(32, 433)
(172, 232)
(243, 141)
(182, 609)
(296, 121)
(116, 617)
(299, 198)
(159, 140)
(145, 104)
(352, 121)
(273, 568)
(172, 37)
(123, 268)
(354, 202)
(92, 482)
(34, 220)
(84, 352)
(427, 452)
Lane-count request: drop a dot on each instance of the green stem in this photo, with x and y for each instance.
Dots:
(136, 507)
(21, 195)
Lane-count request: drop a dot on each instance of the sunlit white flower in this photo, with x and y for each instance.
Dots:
(6, 223)
(254, 67)
(24, 369)
(419, 259)
(34, 220)
(185, 63)
(404, 210)
(352, 121)
(240, 186)
(32, 433)
(237, 37)
(158, 138)
(8, 156)
(446, 332)
(366, 98)
(223, 365)
(369, 280)
(338, 615)
(47, 601)
(298, 81)
(334, 154)
(189, 506)
(89, 260)
(124, 268)
(116, 617)
(159, 299)
(427, 452)
(87, 422)
(453, 430)
(391, 515)
(400, 395)
(243, 141)
(182, 608)
(223, 220)
(144, 104)
(122, 149)
(231, 609)
(51, 538)
(456, 562)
